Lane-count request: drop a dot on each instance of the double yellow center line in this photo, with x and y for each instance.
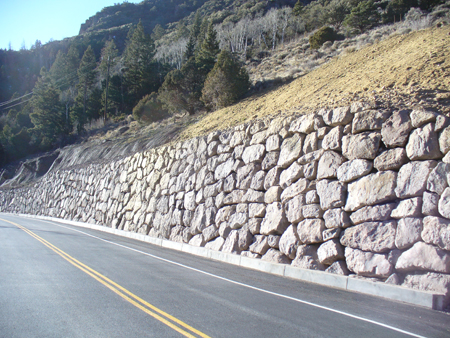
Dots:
(148, 308)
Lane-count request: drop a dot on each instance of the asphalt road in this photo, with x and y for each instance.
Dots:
(62, 281)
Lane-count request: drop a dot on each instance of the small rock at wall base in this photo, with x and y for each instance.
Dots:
(338, 268)
(367, 264)
(275, 256)
(424, 257)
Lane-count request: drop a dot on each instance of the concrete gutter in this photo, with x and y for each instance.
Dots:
(416, 297)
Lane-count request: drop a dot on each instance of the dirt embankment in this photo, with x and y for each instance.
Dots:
(404, 69)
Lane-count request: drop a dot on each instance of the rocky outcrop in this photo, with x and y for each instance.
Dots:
(359, 192)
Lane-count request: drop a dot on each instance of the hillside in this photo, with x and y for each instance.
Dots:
(402, 70)
(408, 69)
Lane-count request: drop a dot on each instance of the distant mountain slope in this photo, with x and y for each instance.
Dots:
(165, 12)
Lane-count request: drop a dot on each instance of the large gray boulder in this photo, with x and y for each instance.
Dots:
(368, 120)
(307, 258)
(423, 144)
(364, 145)
(424, 256)
(367, 264)
(408, 232)
(391, 159)
(331, 194)
(371, 189)
(329, 164)
(254, 153)
(275, 221)
(352, 170)
(291, 149)
(444, 203)
(371, 236)
(444, 140)
(310, 230)
(436, 231)
(412, 178)
(372, 213)
(395, 131)
(289, 241)
(330, 252)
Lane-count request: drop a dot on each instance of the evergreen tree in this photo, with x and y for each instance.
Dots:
(158, 32)
(226, 83)
(363, 16)
(48, 115)
(108, 62)
(58, 70)
(181, 89)
(87, 77)
(139, 72)
(206, 57)
(196, 26)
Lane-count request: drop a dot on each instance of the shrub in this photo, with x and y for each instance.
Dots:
(321, 36)
(226, 83)
(149, 109)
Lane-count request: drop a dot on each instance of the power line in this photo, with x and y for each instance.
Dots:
(10, 101)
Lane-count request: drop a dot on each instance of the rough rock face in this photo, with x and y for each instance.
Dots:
(372, 189)
(359, 190)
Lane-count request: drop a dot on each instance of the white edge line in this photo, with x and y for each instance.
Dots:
(244, 285)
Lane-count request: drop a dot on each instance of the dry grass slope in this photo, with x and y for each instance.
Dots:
(403, 65)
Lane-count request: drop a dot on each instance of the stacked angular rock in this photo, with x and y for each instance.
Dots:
(353, 190)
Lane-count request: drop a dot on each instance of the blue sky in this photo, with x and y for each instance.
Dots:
(31, 20)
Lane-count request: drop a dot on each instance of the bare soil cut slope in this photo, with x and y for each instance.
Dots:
(413, 66)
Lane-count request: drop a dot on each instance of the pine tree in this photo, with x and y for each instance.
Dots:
(139, 72)
(108, 61)
(182, 88)
(226, 83)
(206, 57)
(87, 75)
(363, 16)
(48, 115)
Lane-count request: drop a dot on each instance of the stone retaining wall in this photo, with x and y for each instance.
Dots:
(353, 190)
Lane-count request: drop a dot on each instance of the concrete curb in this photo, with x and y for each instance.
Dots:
(416, 297)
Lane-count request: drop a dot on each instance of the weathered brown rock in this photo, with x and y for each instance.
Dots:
(420, 116)
(338, 116)
(371, 236)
